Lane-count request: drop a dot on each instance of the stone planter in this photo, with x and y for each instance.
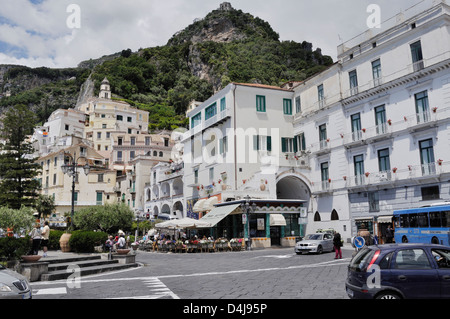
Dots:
(64, 242)
(123, 251)
(31, 258)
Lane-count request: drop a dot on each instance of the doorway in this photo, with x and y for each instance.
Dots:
(275, 235)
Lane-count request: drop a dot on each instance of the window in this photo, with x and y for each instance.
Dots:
(289, 145)
(301, 142)
(260, 103)
(54, 179)
(99, 135)
(120, 141)
(223, 105)
(66, 127)
(427, 157)
(321, 95)
(325, 175)
(380, 119)
(133, 141)
(323, 136)
(287, 106)
(353, 76)
(103, 125)
(359, 169)
(334, 215)
(211, 175)
(132, 155)
(422, 107)
(196, 120)
(356, 127)
(119, 117)
(374, 202)
(298, 104)
(317, 217)
(119, 156)
(262, 143)
(412, 259)
(147, 140)
(211, 111)
(376, 72)
(100, 178)
(383, 160)
(196, 176)
(129, 119)
(417, 56)
(223, 145)
(75, 198)
(99, 198)
(430, 193)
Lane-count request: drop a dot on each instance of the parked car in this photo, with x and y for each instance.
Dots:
(315, 243)
(13, 285)
(400, 271)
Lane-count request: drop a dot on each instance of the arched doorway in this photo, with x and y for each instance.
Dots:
(178, 209)
(292, 186)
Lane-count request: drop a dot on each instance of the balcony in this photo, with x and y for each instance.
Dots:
(407, 176)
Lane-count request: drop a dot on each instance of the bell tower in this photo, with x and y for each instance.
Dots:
(105, 90)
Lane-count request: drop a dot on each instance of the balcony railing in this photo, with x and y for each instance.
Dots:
(411, 174)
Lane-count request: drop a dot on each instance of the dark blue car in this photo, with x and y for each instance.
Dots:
(400, 271)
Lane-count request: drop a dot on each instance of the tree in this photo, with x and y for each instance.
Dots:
(108, 218)
(20, 219)
(18, 169)
(45, 205)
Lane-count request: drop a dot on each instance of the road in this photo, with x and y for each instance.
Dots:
(259, 275)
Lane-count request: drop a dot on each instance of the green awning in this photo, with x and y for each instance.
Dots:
(218, 214)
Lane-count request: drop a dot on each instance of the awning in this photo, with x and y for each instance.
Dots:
(209, 204)
(277, 220)
(198, 207)
(218, 214)
(385, 219)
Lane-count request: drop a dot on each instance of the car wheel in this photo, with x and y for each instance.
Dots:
(388, 295)
(404, 240)
(434, 240)
(319, 250)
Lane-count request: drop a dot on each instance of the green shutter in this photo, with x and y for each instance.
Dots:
(295, 145)
(283, 145)
(269, 143)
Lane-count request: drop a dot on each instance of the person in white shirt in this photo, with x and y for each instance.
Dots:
(45, 236)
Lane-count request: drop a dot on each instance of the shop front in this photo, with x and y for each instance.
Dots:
(263, 223)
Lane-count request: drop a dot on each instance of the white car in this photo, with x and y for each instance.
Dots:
(315, 243)
(13, 285)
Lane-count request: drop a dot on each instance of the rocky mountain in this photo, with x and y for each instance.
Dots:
(226, 46)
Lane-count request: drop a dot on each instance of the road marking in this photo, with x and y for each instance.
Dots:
(50, 291)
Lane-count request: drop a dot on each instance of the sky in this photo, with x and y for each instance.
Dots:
(62, 33)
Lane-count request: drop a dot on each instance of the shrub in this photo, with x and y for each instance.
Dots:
(83, 241)
(12, 248)
(53, 239)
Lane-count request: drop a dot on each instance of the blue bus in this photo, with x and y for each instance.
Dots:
(430, 224)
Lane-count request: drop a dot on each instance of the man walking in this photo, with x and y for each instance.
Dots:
(337, 242)
(45, 234)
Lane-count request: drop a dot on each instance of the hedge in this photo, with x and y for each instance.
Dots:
(83, 241)
(12, 248)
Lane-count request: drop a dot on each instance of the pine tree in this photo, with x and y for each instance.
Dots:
(18, 169)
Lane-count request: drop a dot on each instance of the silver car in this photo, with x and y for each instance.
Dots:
(315, 243)
(13, 285)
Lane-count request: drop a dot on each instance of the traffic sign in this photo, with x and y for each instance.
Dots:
(359, 242)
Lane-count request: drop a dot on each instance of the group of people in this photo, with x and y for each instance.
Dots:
(118, 242)
(39, 238)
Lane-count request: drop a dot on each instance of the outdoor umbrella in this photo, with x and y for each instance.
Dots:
(189, 223)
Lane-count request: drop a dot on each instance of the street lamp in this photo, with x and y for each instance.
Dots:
(72, 169)
(249, 207)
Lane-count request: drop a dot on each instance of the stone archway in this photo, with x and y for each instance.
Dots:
(293, 187)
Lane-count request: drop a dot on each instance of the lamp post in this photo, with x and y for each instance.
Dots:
(249, 207)
(71, 169)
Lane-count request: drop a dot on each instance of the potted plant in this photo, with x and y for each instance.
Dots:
(394, 170)
(440, 162)
(367, 174)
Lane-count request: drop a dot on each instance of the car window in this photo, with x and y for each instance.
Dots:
(314, 237)
(386, 260)
(327, 236)
(412, 259)
(361, 260)
(442, 257)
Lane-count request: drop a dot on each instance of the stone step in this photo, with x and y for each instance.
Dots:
(85, 271)
(58, 260)
(63, 264)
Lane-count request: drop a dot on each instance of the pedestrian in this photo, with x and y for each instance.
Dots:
(389, 234)
(45, 234)
(337, 242)
(122, 244)
(35, 235)
(109, 244)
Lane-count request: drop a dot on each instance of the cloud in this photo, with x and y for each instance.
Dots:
(35, 32)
